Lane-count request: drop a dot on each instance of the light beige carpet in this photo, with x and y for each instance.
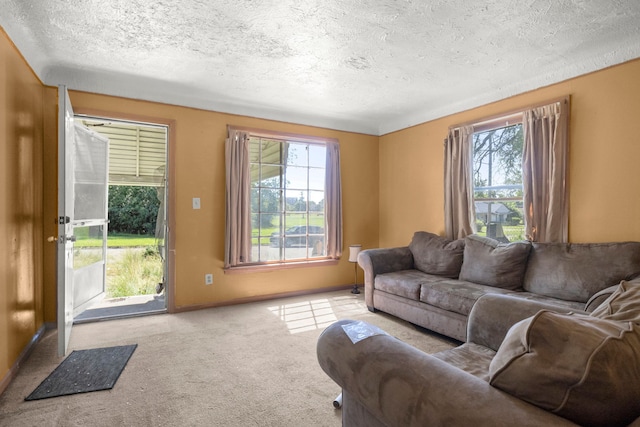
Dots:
(245, 365)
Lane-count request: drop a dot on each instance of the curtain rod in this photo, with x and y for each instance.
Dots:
(263, 133)
(511, 114)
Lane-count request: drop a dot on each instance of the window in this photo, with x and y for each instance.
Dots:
(283, 198)
(497, 183)
(506, 177)
(287, 199)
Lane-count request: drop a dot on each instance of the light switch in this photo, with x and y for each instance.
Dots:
(196, 203)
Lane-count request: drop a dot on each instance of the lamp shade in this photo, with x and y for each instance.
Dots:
(354, 250)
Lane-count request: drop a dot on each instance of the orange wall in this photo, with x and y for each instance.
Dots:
(197, 156)
(21, 236)
(604, 185)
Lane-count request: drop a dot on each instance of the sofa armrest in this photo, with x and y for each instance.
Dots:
(493, 315)
(402, 386)
(380, 261)
(600, 297)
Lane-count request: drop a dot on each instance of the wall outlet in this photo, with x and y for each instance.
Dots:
(208, 279)
(196, 203)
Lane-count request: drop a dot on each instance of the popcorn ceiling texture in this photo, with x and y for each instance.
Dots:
(371, 66)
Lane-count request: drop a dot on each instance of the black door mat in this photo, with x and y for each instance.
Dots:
(84, 371)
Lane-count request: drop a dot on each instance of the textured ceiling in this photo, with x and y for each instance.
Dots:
(370, 66)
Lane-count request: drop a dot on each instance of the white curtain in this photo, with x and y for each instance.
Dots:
(333, 201)
(544, 172)
(459, 215)
(237, 248)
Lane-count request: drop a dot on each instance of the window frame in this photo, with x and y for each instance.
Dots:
(282, 211)
(297, 262)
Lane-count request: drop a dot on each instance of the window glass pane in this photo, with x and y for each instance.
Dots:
(316, 223)
(316, 201)
(294, 220)
(269, 253)
(297, 177)
(271, 246)
(296, 201)
(254, 150)
(255, 200)
(317, 234)
(317, 155)
(297, 154)
(269, 224)
(255, 223)
(276, 224)
(270, 200)
(497, 175)
(255, 233)
(271, 176)
(254, 171)
(88, 248)
(316, 179)
(272, 151)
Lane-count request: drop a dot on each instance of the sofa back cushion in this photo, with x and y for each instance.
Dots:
(489, 262)
(576, 271)
(580, 367)
(433, 254)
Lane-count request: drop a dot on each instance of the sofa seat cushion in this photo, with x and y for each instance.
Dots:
(404, 283)
(455, 295)
(580, 367)
(489, 262)
(576, 271)
(471, 358)
(565, 305)
(437, 255)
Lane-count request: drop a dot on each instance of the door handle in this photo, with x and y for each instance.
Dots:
(54, 239)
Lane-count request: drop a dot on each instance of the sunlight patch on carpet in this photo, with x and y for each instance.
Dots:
(315, 314)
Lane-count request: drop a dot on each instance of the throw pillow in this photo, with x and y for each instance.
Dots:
(489, 262)
(436, 255)
(622, 305)
(582, 368)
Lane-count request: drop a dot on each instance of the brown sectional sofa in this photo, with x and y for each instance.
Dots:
(556, 343)
(434, 282)
(523, 364)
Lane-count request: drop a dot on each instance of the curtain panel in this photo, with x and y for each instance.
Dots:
(544, 172)
(237, 247)
(459, 215)
(333, 201)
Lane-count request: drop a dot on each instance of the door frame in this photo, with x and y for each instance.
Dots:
(169, 191)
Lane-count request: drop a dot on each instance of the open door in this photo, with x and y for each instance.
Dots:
(65, 213)
(82, 217)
